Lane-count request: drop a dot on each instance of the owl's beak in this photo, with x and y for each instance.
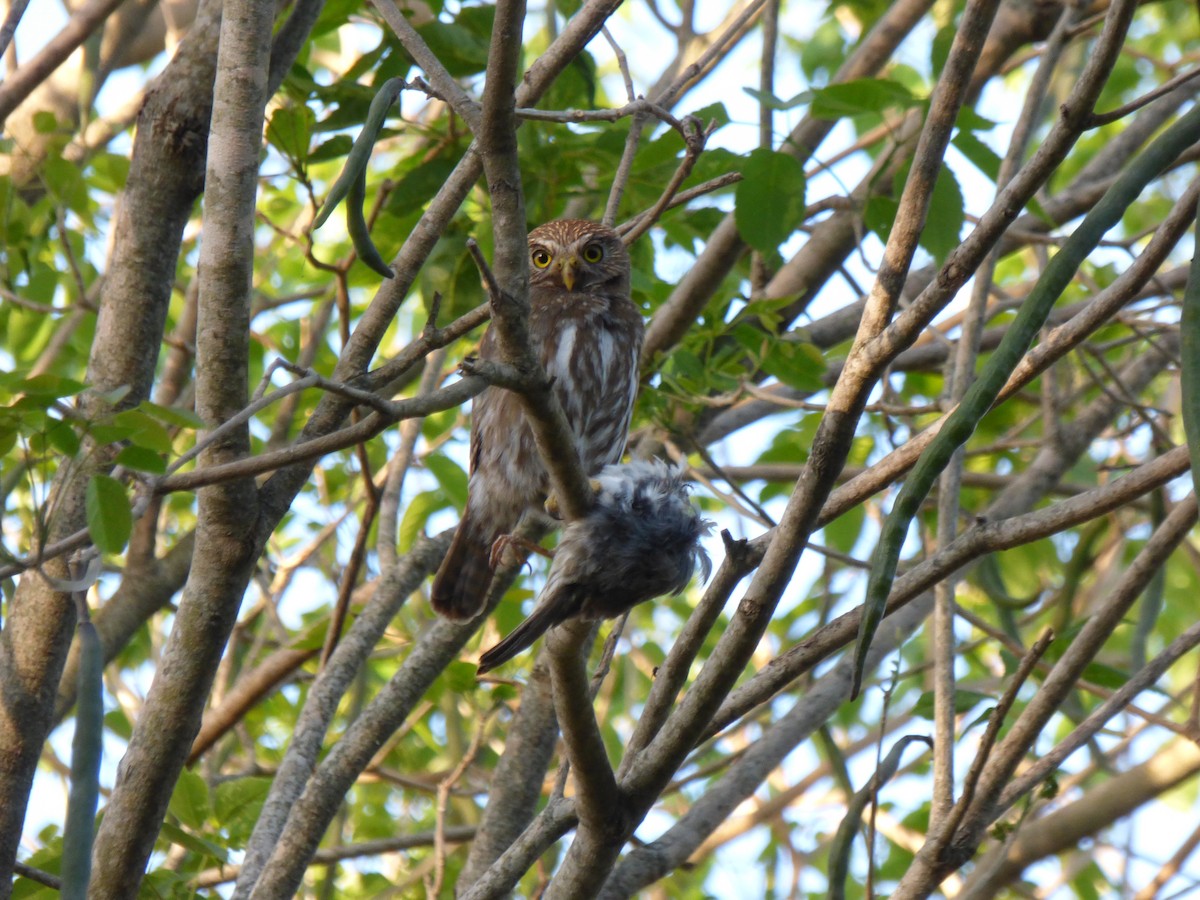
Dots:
(567, 272)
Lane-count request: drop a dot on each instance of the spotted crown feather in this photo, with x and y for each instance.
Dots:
(569, 231)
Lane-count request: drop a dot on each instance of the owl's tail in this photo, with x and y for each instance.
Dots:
(541, 620)
(461, 584)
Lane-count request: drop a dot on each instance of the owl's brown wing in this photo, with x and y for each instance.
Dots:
(507, 476)
(460, 587)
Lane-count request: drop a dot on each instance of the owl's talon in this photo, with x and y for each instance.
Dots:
(552, 507)
(512, 542)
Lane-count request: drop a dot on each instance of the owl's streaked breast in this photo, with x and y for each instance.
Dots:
(591, 352)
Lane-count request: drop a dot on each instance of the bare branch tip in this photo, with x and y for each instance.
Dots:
(490, 284)
(431, 332)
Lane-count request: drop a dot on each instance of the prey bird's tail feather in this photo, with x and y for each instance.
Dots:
(541, 620)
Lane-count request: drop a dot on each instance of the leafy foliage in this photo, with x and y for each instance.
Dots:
(746, 369)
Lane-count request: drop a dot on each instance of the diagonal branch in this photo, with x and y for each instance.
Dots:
(597, 799)
(226, 549)
(441, 80)
(21, 83)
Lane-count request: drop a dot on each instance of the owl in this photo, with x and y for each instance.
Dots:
(587, 333)
(640, 540)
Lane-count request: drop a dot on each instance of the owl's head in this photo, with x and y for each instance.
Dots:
(579, 256)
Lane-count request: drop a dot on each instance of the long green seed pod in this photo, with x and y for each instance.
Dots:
(962, 422)
(86, 752)
(351, 185)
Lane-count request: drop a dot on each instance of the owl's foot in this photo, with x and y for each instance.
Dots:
(551, 505)
(505, 549)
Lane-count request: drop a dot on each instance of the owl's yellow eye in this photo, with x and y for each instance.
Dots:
(593, 253)
(541, 258)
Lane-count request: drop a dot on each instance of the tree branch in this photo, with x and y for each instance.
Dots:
(21, 83)
(356, 645)
(597, 799)
(226, 549)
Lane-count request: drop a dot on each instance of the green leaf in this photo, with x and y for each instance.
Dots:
(45, 122)
(116, 721)
(797, 364)
(334, 14)
(945, 221)
(110, 434)
(880, 215)
(460, 677)
(290, 131)
(65, 181)
(109, 517)
(163, 884)
(58, 436)
(110, 171)
(981, 156)
(769, 201)
(145, 431)
(1105, 675)
(770, 101)
(238, 802)
(189, 800)
(8, 439)
(418, 185)
(193, 842)
(334, 148)
(964, 701)
(48, 385)
(115, 396)
(41, 288)
(420, 508)
(970, 120)
(843, 533)
(854, 98)
(141, 459)
(461, 52)
(714, 112)
(172, 415)
(939, 48)
(450, 476)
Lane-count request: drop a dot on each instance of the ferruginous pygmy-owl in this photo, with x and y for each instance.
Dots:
(587, 333)
(640, 540)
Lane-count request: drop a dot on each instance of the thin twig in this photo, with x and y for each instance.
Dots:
(694, 140)
(711, 186)
(83, 22)
(27, 871)
(625, 166)
(991, 735)
(11, 20)
(443, 83)
(1117, 701)
(1099, 119)
(635, 107)
(443, 798)
(399, 464)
